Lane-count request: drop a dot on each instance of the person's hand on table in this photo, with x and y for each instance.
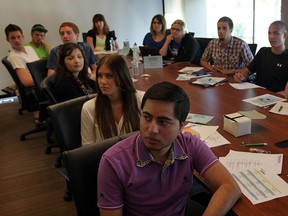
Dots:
(239, 77)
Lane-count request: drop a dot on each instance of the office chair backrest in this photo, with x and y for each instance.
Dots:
(84, 36)
(253, 48)
(28, 100)
(192, 34)
(38, 72)
(203, 42)
(47, 86)
(82, 169)
(66, 119)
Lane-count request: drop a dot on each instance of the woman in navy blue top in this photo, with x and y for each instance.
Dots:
(156, 37)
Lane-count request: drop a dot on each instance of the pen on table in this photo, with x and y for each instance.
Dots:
(199, 123)
(255, 144)
(220, 83)
(187, 71)
(280, 108)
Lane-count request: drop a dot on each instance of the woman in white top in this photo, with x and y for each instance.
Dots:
(116, 108)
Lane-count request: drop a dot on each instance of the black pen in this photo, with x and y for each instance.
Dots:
(280, 108)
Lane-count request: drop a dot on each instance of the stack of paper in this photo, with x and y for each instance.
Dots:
(236, 160)
(198, 118)
(209, 81)
(190, 69)
(189, 76)
(208, 134)
(280, 108)
(105, 52)
(264, 100)
(244, 85)
(256, 174)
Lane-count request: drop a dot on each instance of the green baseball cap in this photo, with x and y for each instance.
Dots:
(39, 27)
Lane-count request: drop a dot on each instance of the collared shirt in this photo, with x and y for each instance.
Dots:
(130, 178)
(180, 155)
(18, 59)
(235, 55)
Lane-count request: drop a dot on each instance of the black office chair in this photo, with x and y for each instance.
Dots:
(82, 169)
(253, 48)
(27, 99)
(38, 72)
(66, 121)
(192, 34)
(47, 86)
(84, 36)
(203, 42)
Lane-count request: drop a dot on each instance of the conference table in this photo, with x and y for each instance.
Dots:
(224, 99)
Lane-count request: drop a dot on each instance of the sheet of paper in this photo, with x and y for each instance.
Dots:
(216, 139)
(244, 85)
(204, 130)
(205, 81)
(190, 76)
(280, 108)
(190, 69)
(198, 118)
(253, 114)
(104, 52)
(237, 160)
(264, 100)
(260, 185)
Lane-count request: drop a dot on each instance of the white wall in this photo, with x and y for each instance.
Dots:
(129, 18)
(173, 10)
(195, 17)
(193, 12)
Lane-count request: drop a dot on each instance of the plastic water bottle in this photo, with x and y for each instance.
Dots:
(135, 53)
(112, 43)
(135, 62)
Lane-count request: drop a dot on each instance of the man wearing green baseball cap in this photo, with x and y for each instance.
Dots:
(38, 42)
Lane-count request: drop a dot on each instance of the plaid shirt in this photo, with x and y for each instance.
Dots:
(236, 55)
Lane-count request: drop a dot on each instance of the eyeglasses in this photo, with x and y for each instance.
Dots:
(157, 23)
(175, 29)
